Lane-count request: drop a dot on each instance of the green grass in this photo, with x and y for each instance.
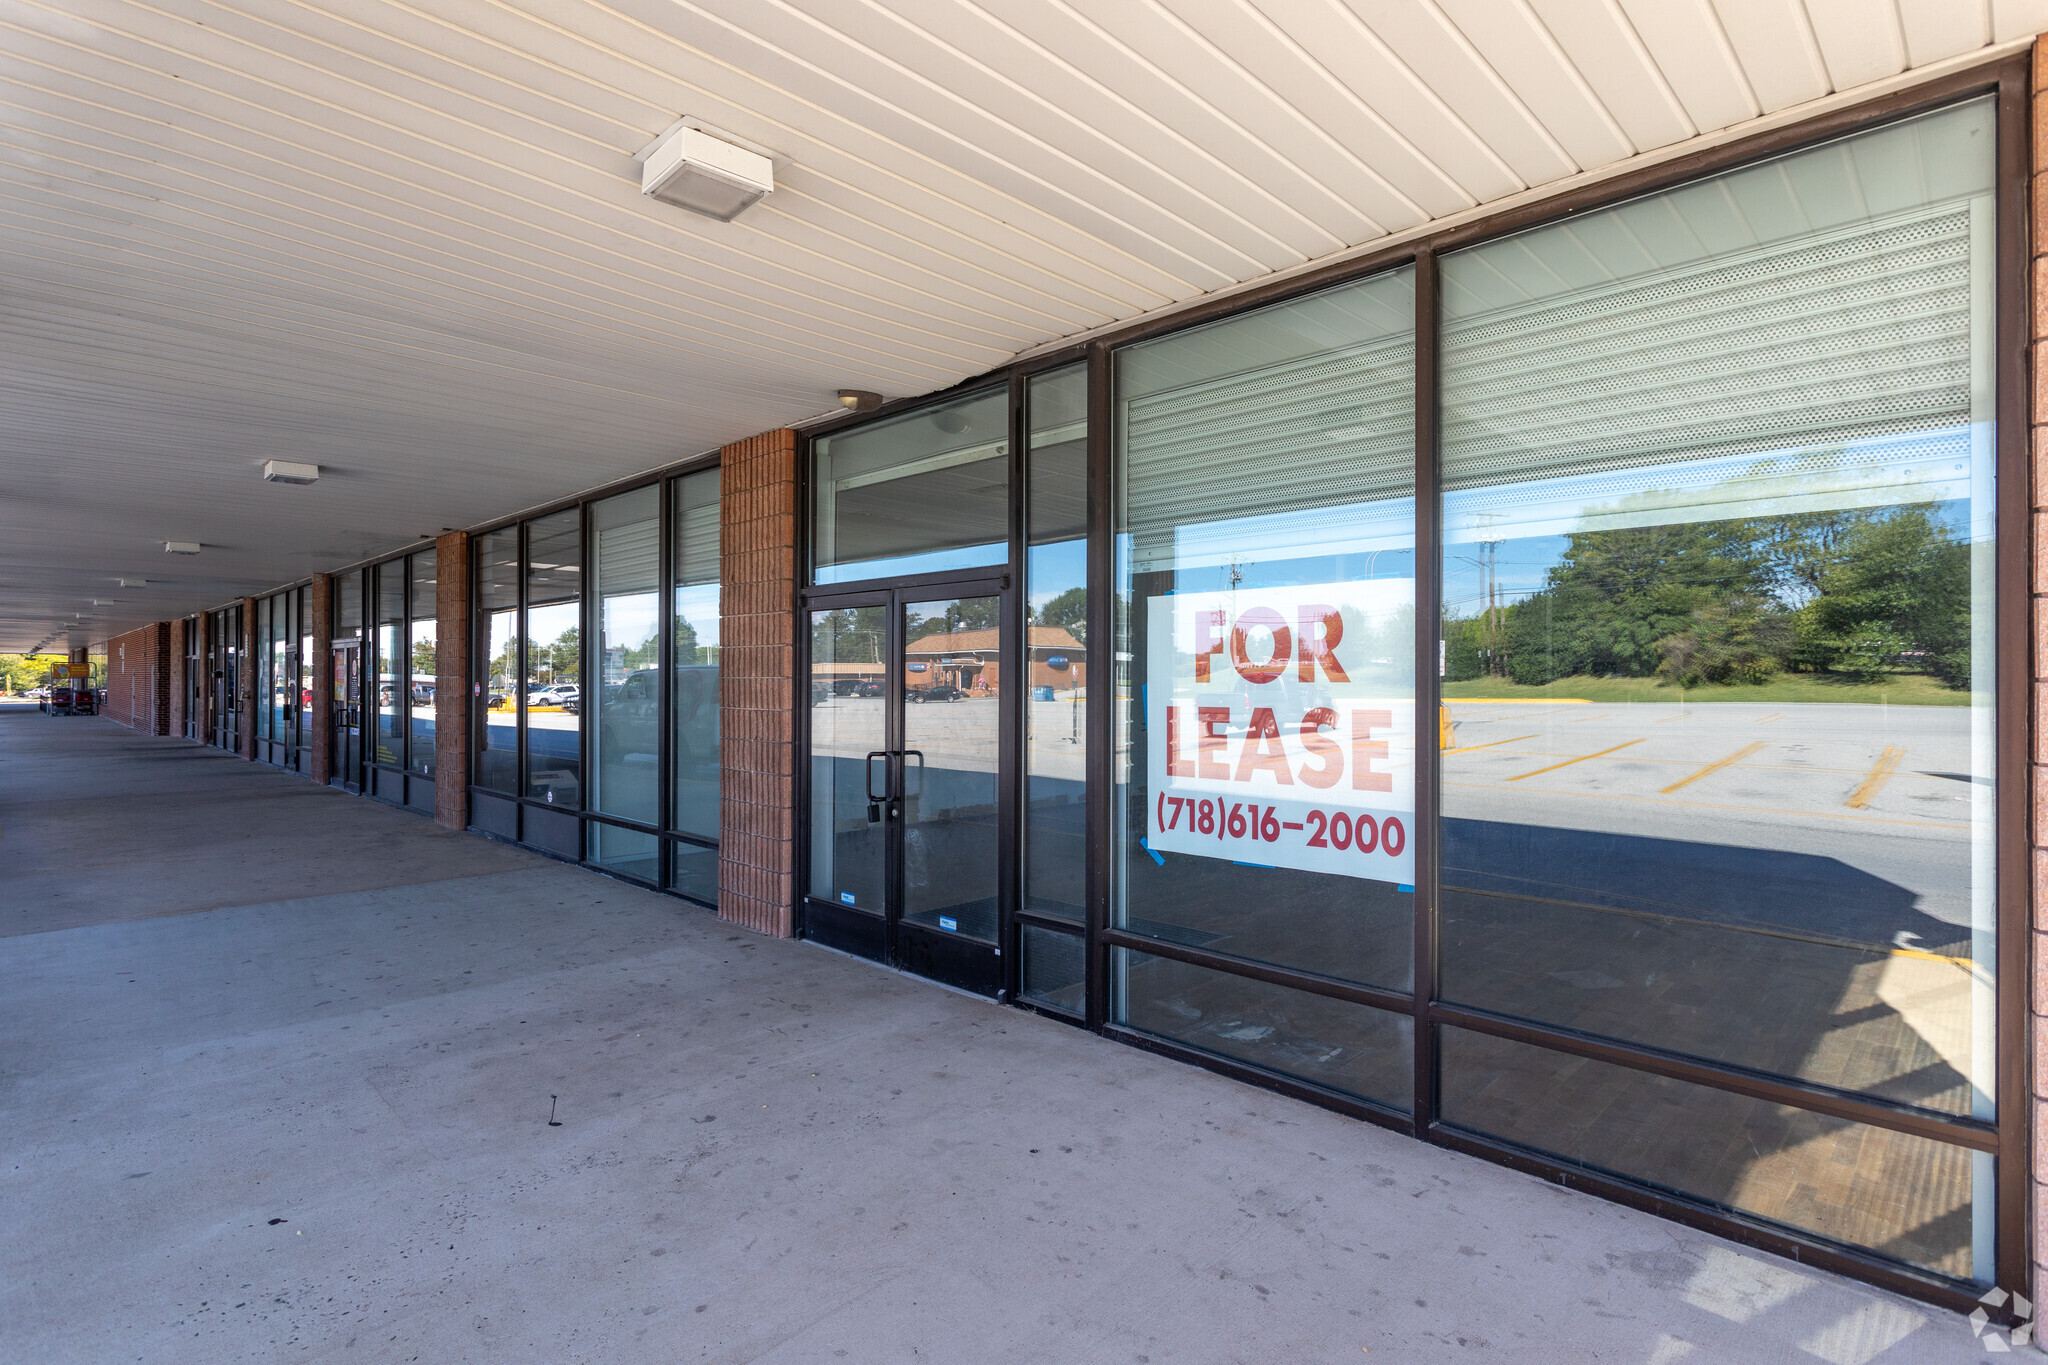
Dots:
(1900, 689)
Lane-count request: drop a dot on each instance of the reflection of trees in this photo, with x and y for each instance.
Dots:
(1852, 593)
(1069, 611)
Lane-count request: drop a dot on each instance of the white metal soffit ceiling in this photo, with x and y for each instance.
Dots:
(406, 241)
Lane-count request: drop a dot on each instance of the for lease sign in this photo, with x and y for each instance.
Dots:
(1279, 729)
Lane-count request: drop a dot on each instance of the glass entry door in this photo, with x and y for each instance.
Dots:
(347, 745)
(908, 790)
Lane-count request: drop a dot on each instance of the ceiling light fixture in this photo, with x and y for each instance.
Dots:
(284, 471)
(181, 547)
(859, 400)
(704, 173)
(132, 582)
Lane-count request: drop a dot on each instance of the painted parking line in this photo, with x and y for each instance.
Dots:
(1880, 773)
(1775, 715)
(1495, 744)
(1712, 768)
(1568, 762)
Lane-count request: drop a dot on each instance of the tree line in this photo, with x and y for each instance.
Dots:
(1857, 594)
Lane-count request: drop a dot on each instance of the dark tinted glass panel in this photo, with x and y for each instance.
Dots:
(497, 586)
(919, 493)
(1054, 972)
(1266, 606)
(1332, 1043)
(1718, 768)
(554, 659)
(348, 604)
(1920, 1201)
(693, 690)
(626, 719)
(631, 852)
(693, 870)
(1057, 660)
(303, 698)
(264, 707)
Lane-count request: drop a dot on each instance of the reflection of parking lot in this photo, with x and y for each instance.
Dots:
(1780, 887)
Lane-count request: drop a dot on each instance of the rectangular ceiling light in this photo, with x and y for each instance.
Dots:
(181, 547)
(284, 471)
(704, 174)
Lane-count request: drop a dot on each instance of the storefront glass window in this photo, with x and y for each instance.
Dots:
(421, 660)
(1056, 656)
(625, 718)
(391, 662)
(1718, 669)
(302, 701)
(264, 673)
(920, 493)
(497, 594)
(1266, 614)
(693, 686)
(554, 659)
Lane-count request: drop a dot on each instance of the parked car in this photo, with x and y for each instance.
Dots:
(870, 689)
(37, 694)
(560, 694)
(936, 692)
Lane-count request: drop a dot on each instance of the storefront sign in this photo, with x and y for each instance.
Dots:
(1058, 661)
(1279, 729)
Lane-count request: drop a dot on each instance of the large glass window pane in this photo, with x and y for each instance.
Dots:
(392, 670)
(847, 731)
(951, 738)
(264, 685)
(279, 647)
(303, 687)
(348, 605)
(1332, 1043)
(693, 690)
(554, 659)
(1266, 606)
(626, 564)
(1924, 1202)
(421, 657)
(926, 491)
(1056, 650)
(497, 596)
(1718, 770)
(693, 870)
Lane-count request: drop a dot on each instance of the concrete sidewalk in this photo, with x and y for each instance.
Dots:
(315, 1127)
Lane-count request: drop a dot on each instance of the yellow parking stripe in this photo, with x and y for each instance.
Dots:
(1712, 768)
(1470, 747)
(1568, 762)
(1880, 773)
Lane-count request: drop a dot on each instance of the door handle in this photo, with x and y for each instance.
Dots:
(882, 754)
(907, 793)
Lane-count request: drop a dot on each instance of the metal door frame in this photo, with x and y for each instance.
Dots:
(346, 774)
(964, 963)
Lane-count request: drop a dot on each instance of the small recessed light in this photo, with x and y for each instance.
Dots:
(101, 602)
(859, 400)
(284, 471)
(132, 582)
(181, 547)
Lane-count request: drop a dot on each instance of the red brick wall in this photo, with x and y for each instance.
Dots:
(756, 682)
(139, 679)
(177, 633)
(451, 680)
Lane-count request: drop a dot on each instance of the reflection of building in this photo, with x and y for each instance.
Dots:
(972, 660)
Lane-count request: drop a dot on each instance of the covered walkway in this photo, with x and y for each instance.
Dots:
(279, 1066)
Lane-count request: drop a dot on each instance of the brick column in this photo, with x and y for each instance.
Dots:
(160, 678)
(175, 679)
(451, 680)
(756, 682)
(322, 766)
(245, 685)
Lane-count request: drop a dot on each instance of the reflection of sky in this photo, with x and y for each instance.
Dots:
(993, 554)
(1055, 568)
